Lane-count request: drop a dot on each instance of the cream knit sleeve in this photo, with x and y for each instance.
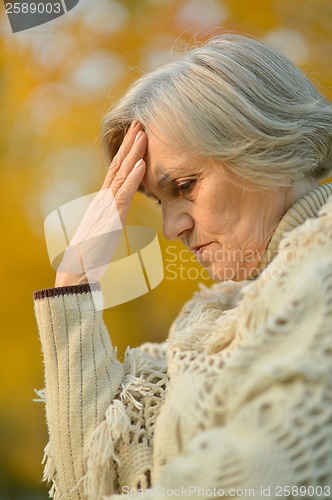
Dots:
(82, 376)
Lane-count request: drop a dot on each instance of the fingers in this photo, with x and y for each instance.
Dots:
(135, 154)
(95, 239)
(126, 149)
(125, 193)
(127, 169)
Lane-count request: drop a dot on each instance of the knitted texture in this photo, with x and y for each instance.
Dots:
(238, 400)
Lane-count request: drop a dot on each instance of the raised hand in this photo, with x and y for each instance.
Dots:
(92, 247)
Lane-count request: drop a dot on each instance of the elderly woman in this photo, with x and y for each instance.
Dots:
(231, 139)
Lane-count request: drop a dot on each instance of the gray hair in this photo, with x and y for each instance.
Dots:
(238, 101)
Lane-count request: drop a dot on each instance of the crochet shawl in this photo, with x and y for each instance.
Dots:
(237, 401)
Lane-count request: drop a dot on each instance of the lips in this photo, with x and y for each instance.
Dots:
(205, 253)
(200, 248)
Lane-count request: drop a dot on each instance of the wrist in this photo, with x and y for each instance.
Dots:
(67, 279)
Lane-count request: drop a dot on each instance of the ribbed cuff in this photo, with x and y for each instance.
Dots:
(66, 290)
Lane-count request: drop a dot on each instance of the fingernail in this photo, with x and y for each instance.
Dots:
(139, 164)
(139, 135)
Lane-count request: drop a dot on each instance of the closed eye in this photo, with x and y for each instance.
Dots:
(185, 187)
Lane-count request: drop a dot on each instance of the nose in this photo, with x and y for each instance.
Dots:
(177, 222)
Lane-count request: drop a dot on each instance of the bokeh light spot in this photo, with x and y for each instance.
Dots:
(289, 42)
(201, 13)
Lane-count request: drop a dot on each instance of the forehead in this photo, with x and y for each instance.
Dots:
(164, 151)
(159, 145)
(161, 157)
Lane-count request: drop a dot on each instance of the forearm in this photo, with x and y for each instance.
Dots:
(82, 376)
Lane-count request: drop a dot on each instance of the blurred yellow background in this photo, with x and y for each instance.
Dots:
(56, 83)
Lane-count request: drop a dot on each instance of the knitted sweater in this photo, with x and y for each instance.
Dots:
(237, 402)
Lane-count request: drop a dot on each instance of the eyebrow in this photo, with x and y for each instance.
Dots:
(163, 180)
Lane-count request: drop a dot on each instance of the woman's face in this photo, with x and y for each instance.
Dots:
(225, 224)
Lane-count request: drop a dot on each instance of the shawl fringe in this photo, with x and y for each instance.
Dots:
(50, 473)
(101, 477)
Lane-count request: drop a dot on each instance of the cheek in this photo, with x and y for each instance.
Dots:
(211, 214)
